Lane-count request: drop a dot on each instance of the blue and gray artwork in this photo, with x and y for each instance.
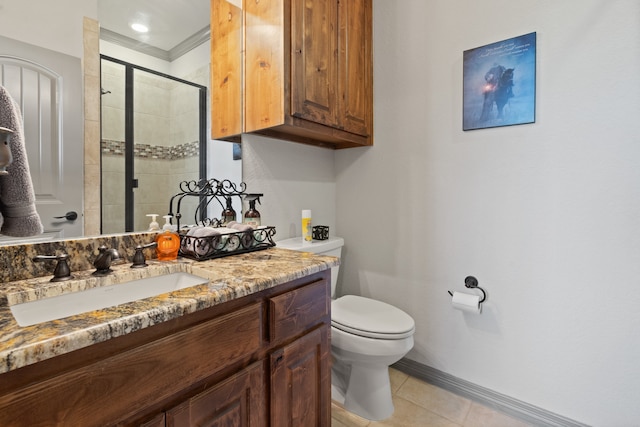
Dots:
(499, 83)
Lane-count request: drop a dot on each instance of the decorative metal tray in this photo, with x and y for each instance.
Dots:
(220, 245)
(215, 245)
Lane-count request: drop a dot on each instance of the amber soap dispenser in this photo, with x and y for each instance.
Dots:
(168, 242)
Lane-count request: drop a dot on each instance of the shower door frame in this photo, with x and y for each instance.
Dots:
(129, 135)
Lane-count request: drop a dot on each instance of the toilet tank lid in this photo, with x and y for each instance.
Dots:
(316, 246)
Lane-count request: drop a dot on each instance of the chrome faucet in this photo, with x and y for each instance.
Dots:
(104, 259)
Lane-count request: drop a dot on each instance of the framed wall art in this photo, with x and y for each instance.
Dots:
(499, 83)
(237, 151)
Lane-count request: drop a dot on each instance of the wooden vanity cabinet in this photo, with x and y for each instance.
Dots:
(261, 360)
(300, 369)
(306, 74)
(236, 401)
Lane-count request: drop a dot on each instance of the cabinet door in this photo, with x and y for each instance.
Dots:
(226, 69)
(238, 401)
(301, 382)
(355, 82)
(264, 64)
(314, 71)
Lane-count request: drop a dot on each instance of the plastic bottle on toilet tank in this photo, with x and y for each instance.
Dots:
(307, 237)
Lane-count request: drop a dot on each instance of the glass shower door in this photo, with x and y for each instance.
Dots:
(153, 139)
(167, 144)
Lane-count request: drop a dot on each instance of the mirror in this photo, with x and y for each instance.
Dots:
(19, 24)
(166, 65)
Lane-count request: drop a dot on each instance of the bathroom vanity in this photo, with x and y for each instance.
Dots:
(248, 348)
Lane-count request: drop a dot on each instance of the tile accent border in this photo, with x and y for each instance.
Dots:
(500, 402)
(180, 151)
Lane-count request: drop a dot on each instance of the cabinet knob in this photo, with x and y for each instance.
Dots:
(278, 360)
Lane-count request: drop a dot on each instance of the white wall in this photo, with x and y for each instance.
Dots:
(292, 177)
(546, 215)
(41, 23)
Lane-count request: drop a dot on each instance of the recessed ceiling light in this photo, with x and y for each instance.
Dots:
(139, 27)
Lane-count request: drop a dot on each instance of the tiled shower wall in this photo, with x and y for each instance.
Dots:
(166, 146)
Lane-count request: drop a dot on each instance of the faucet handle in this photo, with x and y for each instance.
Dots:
(62, 271)
(103, 261)
(139, 260)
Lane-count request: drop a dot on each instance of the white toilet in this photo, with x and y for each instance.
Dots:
(366, 337)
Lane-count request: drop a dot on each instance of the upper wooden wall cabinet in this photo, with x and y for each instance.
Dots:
(297, 70)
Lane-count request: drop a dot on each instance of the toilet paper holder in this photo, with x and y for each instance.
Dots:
(472, 283)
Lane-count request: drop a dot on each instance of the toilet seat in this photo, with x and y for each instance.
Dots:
(370, 318)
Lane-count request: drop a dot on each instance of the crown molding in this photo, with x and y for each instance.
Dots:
(182, 48)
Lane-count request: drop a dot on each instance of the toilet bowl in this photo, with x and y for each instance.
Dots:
(366, 337)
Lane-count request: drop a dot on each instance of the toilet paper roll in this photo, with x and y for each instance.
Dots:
(466, 302)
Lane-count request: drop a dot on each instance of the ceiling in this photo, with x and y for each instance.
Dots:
(170, 22)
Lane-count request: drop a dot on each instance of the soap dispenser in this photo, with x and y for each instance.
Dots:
(228, 214)
(168, 242)
(252, 216)
(153, 225)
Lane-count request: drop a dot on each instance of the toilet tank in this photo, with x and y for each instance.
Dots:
(331, 247)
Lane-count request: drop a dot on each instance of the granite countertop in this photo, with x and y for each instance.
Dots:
(229, 278)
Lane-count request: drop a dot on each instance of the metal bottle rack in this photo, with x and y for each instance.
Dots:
(201, 248)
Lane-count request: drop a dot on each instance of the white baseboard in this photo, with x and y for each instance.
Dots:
(500, 402)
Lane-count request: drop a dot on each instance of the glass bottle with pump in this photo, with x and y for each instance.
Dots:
(252, 216)
(228, 214)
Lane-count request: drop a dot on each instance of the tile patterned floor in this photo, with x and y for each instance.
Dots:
(421, 404)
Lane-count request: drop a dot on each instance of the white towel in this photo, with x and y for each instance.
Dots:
(17, 198)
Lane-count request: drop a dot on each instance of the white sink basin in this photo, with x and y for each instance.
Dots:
(58, 307)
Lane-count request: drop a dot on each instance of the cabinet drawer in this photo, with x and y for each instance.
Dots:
(298, 310)
(125, 384)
